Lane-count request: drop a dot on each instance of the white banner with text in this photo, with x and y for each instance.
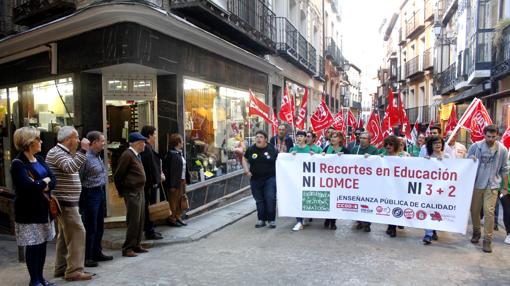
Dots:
(414, 192)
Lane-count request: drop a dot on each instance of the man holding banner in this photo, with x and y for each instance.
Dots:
(493, 169)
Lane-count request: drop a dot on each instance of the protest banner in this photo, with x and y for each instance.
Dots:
(414, 192)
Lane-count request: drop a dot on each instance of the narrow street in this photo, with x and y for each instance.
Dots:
(242, 255)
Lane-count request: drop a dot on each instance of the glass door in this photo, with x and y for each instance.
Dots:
(122, 118)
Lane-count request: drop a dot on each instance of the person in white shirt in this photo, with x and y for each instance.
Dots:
(454, 149)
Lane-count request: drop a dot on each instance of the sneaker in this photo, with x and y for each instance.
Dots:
(272, 224)
(434, 235)
(297, 227)
(487, 247)
(333, 226)
(304, 222)
(359, 225)
(507, 239)
(367, 228)
(427, 239)
(496, 227)
(260, 224)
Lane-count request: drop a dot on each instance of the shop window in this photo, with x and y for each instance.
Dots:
(217, 128)
(117, 85)
(144, 85)
(46, 105)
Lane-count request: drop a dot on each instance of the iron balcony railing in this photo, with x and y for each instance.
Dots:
(321, 73)
(333, 52)
(255, 14)
(414, 66)
(502, 55)
(30, 12)
(428, 58)
(302, 50)
(413, 23)
(446, 79)
(421, 113)
(429, 9)
(312, 58)
(287, 37)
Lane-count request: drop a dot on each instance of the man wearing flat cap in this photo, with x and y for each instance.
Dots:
(130, 181)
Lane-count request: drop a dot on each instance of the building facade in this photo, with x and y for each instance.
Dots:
(183, 66)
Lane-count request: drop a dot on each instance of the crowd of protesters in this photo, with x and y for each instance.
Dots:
(67, 190)
(74, 174)
(491, 179)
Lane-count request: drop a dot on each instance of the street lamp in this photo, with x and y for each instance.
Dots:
(437, 29)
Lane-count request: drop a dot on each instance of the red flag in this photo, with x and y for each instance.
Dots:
(300, 122)
(475, 119)
(427, 132)
(351, 121)
(321, 118)
(319, 141)
(406, 126)
(374, 128)
(452, 121)
(274, 124)
(506, 138)
(257, 107)
(361, 124)
(339, 122)
(286, 110)
(392, 109)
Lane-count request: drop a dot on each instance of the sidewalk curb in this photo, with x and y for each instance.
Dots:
(225, 216)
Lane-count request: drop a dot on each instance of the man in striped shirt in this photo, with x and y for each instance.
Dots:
(65, 160)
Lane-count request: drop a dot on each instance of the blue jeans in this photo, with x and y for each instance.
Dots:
(92, 205)
(264, 193)
(429, 232)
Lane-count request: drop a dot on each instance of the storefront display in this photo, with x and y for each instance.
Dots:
(217, 128)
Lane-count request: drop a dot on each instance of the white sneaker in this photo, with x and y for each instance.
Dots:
(298, 226)
(507, 239)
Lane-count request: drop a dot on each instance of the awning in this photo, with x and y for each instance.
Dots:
(475, 91)
(498, 95)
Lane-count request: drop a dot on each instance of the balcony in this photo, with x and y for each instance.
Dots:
(429, 10)
(356, 105)
(502, 56)
(447, 8)
(401, 38)
(312, 58)
(414, 67)
(247, 24)
(321, 73)
(445, 81)
(479, 56)
(333, 52)
(36, 12)
(422, 113)
(414, 25)
(401, 73)
(302, 50)
(428, 59)
(292, 45)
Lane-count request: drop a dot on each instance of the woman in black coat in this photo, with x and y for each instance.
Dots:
(176, 174)
(33, 181)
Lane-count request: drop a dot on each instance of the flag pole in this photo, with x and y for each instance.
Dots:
(463, 119)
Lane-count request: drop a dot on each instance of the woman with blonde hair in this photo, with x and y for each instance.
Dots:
(33, 182)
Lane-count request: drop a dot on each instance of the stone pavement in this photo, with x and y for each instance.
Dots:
(198, 227)
(243, 255)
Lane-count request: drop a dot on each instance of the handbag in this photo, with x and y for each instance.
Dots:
(161, 210)
(184, 202)
(55, 209)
